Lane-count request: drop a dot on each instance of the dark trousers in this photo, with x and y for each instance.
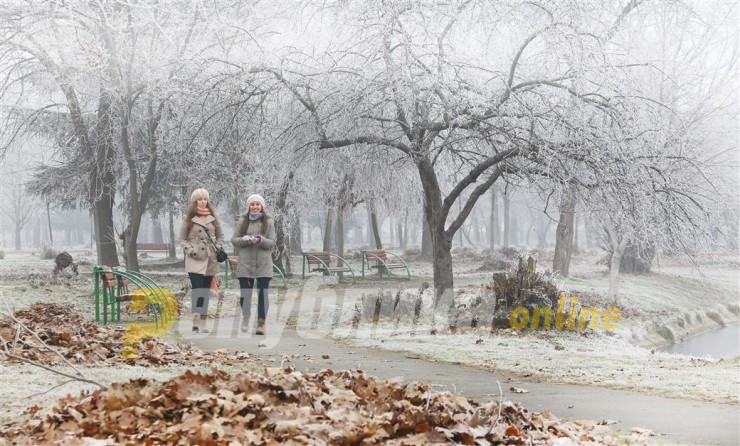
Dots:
(200, 293)
(247, 285)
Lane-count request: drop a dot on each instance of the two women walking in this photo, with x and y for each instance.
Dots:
(201, 234)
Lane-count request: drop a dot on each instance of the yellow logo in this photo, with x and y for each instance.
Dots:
(520, 317)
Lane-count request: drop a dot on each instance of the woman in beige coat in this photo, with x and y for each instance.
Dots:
(200, 233)
(254, 238)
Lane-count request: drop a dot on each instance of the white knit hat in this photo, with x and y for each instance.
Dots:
(258, 198)
(198, 194)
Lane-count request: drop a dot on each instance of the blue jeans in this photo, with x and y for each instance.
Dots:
(246, 284)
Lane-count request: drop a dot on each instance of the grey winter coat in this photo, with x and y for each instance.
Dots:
(200, 255)
(254, 260)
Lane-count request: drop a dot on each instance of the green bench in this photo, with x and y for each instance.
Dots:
(321, 262)
(116, 285)
(378, 258)
(230, 268)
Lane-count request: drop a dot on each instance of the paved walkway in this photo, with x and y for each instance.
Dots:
(683, 421)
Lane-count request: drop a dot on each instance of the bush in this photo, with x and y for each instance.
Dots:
(2, 255)
(716, 317)
(413, 252)
(667, 333)
(495, 264)
(47, 253)
(509, 253)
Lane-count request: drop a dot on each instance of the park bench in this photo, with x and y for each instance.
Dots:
(152, 247)
(230, 268)
(378, 258)
(116, 285)
(321, 262)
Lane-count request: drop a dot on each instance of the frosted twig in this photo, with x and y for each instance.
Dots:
(7, 353)
(500, 403)
(49, 390)
(12, 316)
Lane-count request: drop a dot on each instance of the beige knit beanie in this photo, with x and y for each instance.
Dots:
(198, 194)
(258, 198)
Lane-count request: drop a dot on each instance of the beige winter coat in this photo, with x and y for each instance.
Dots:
(200, 255)
(254, 260)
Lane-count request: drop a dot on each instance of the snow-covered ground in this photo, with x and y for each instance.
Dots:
(611, 359)
(603, 358)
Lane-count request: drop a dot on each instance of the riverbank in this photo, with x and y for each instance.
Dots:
(627, 358)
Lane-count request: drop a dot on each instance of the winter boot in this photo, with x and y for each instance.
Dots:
(203, 328)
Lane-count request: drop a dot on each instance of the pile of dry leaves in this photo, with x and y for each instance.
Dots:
(284, 406)
(84, 342)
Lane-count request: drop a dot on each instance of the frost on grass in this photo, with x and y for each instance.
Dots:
(592, 357)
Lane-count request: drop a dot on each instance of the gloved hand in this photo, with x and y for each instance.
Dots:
(248, 239)
(257, 239)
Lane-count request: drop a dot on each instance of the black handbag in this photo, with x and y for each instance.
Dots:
(221, 255)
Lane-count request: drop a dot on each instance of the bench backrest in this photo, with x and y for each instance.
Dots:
(152, 247)
(123, 280)
(375, 255)
(109, 279)
(315, 258)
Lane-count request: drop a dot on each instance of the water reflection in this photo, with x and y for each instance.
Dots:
(718, 343)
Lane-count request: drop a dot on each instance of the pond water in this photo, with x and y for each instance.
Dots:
(718, 343)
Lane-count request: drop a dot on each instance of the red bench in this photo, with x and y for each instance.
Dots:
(378, 258)
(321, 262)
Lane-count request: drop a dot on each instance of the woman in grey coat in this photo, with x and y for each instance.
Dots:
(254, 238)
(200, 235)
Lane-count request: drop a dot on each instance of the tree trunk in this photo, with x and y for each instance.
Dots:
(617, 245)
(564, 234)
(327, 229)
(157, 229)
(460, 233)
(340, 234)
(575, 234)
(426, 241)
(93, 236)
(36, 231)
(48, 221)
(102, 183)
(405, 243)
(507, 225)
(281, 256)
(105, 236)
(375, 229)
(542, 233)
(295, 237)
(17, 239)
(172, 254)
(391, 235)
(493, 223)
(442, 267)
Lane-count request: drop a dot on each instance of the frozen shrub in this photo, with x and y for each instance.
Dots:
(2, 255)
(413, 251)
(495, 264)
(667, 333)
(47, 253)
(716, 317)
(509, 252)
